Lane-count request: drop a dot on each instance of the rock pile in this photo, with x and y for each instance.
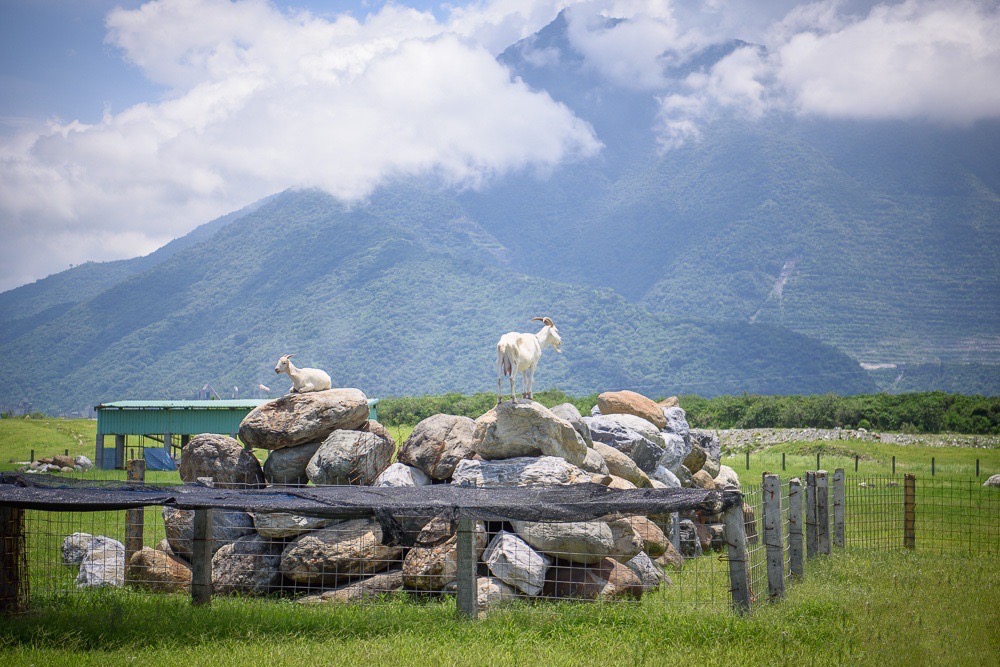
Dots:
(59, 463)
(326, 438)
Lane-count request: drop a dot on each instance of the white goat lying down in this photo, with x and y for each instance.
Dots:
(303, 379)
(520, 352)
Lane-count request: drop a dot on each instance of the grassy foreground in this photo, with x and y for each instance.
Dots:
(858, 608)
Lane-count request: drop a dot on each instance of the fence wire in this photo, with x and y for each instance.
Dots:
(677, 561)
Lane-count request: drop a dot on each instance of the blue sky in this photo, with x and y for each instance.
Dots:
(126, 124)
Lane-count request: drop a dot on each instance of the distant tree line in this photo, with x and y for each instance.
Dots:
(928, 412)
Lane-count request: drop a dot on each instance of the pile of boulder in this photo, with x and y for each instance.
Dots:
(59, 463)
(324, 438)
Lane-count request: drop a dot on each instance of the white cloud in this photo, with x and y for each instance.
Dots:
(920, 59)
(261, 101)
(930, 60)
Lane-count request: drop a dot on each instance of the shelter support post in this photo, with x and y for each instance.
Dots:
(465, 595)
(119, 452)
(13, 561)
(135, 471)
(201, 558)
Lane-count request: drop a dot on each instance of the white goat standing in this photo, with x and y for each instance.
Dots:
(520, 352)
(303, 379)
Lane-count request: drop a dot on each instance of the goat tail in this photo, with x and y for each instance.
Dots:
(505, 365)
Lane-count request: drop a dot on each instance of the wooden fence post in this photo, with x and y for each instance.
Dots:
(736, 550)
(13, 562)
(812, 543)
(838, 508)
(823, 512)
(773, 541)
(910, 511)
(135, 471)
(467, 604)
(796, 567)
(201, 558)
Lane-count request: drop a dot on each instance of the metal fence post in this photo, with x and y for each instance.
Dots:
(812, 543)
(201, 558)
(796, 567)
(13, 561)
(910, 511)
(736, 550)
(838, 508)
(135, 471)
(466, 595)
(773, 541)
(823, 512)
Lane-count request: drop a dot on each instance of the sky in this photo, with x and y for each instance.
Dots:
(126, 124)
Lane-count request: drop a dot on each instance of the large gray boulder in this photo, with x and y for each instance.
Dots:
(633, 436)
(649, 574)
(527, 428)
(675, 450)
(677, 423)
(690, 542)
(993, 481)
(249, 566)
(668, 479)
(279, 525)
(296, 419)
(102, 565)
(727, 479)
(288, 466)
(350, 457)
(620, 465)
(577, 541)
(438, 443)
(400, 474)
(512, 561)
(491, 591)
(75, 546)
(227, 526)
(523, 471)
(221, 458)
(337, 555)
(570, 413)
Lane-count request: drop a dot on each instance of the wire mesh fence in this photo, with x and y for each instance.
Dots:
(677, 560)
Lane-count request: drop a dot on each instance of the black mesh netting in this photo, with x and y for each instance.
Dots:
(575, 502)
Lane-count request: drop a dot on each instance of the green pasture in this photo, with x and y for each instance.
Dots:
(858, 608)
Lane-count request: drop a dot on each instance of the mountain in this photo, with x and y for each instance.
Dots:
(779, 255)
(403, 295)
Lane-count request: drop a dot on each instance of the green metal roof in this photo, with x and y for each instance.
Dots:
(180, 417)
(183, 405)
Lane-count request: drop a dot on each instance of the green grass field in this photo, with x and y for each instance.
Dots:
(936, 605)
(858, 608)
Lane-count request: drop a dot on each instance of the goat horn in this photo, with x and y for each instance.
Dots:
(538, 319)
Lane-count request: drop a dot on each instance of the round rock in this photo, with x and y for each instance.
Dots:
(631, 403)
(438, 443)
(527, 428)
(288, 466)
(350, 457)
(223, 459)
(296, 419)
